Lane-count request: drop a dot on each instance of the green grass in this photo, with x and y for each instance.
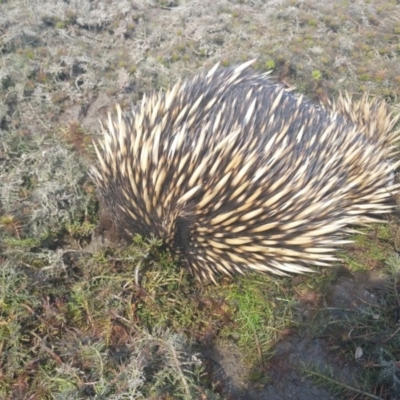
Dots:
(61, 333)
(262, 311)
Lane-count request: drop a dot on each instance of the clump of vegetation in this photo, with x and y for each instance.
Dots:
(76, 331)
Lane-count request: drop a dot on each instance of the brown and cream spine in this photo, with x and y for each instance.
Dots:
(234, 172)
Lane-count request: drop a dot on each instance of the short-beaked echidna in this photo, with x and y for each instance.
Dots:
(234, 172)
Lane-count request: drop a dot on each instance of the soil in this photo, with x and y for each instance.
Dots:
(349, 293)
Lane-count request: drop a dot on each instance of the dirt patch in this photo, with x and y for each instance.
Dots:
(282, 376)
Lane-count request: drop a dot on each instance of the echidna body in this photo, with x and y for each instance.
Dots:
(234, 172)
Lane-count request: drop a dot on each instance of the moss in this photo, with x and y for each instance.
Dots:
(364, 77)
(29, 54)
(61, 24)
(23, 244)
(235, 14)
(270, 64)
(225, 62)
(258, 323)
(316, 74)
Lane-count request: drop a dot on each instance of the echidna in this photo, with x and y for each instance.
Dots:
(234, 172)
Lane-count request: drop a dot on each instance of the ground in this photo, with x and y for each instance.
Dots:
(74, 322)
